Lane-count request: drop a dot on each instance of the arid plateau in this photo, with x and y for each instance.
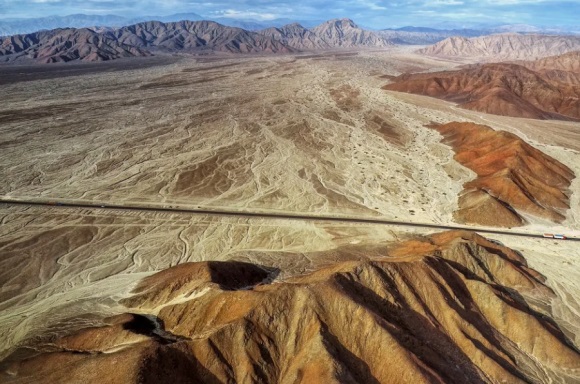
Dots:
(288, 218)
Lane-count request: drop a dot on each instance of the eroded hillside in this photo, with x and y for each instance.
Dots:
(453, 307)
(504, 46)
(513, 177)
(500, 89)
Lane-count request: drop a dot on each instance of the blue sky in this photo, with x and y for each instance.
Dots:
(373, 13)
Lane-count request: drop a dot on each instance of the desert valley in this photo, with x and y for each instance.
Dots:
(190, 202)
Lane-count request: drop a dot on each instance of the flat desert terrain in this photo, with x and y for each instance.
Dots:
(299, 134)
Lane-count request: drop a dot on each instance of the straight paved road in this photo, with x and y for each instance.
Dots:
(55, 203)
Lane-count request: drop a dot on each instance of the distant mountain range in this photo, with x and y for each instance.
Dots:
(23, 26)
(405, 35)
(152, 37)
(506, 46)
(144, 39)
(84, 44)
(422, 36)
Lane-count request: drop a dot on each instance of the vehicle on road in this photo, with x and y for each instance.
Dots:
(555, 236)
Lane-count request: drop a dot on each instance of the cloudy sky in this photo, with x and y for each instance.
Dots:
(373, 13)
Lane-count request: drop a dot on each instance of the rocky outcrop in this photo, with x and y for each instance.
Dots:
(508, 46)
(451, 308)
(500, 89)
(514, 178)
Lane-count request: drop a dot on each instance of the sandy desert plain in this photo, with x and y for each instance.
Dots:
(310, 134)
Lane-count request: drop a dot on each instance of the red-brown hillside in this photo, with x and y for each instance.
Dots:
(563, 68)
(445, 309)
(500, 89)
(512, 177)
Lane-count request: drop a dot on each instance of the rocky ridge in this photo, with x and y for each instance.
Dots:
(64, 45)
(562, 68)
(507, 46)
(344, 33)
(514, 178)
(453, 307)
(501, 89)
(147, 38)
(295, 35)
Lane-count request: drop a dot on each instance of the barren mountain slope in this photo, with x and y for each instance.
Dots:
(89, 45)
(345, 33)
(450, 308)
(136, 40)
(195, 35)
(501, 89)
(513, 177)
(296, 36)
(509, 46)
(62, 45)
(568, 62)
(562, 68)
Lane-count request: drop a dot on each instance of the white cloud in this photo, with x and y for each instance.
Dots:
(247, 14)
(444, 2)
(372, 5)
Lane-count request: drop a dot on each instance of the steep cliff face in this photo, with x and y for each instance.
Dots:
(449, 308)
(513, 177)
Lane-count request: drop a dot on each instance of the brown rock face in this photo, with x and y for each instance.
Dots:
(479, 207)
(500, 89)
(512, 177)
(445, 309)
(563, 68)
